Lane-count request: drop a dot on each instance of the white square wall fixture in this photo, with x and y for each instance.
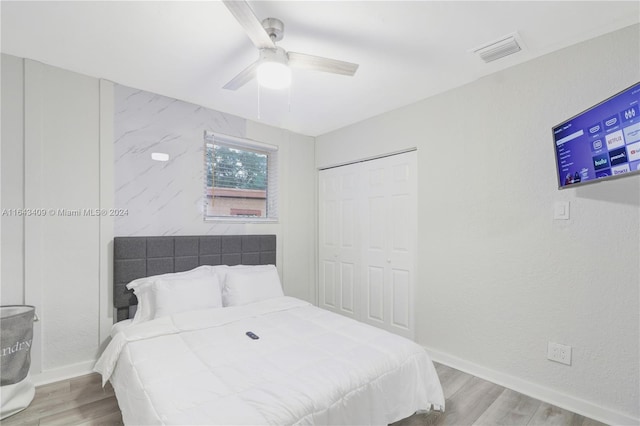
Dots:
(561, 210)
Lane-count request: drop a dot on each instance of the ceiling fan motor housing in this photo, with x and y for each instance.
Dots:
(274, 27)
(274, 55)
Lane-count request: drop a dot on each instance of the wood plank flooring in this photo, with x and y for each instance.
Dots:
(469, 400)
(472, 401)
(78, 401)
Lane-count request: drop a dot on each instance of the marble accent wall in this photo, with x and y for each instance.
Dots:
(163, 198)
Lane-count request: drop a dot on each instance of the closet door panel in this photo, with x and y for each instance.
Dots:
(328, 284)
(400, 232)
(374, 208)
(347, 287)
(329, 233)
(349, 250)
(339, 241)
(402, 247)
(375, 293)
(400, 301)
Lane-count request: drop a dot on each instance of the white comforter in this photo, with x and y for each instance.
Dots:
(309, 366)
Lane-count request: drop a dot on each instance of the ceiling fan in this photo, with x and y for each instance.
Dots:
(272, 68)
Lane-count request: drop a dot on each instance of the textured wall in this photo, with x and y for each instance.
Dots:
(12, 194)
(163, 198)
(498, 276)
(61, 172)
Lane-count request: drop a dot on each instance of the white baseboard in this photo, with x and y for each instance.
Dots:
(551, 396)
(64, 373)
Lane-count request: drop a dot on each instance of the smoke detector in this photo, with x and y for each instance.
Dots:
(504, 46)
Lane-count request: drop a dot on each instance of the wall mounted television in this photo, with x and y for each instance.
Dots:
(600, 143)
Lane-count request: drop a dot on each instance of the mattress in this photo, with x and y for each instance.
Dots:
(307, 366)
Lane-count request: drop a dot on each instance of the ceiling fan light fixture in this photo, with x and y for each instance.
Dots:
(274, 75)
(273, 71)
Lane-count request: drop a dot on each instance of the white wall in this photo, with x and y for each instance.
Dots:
(52, 145)
(61, 172)
(297, 209)
(12, 271)
(50, 161)
(498, 277)
(66, 158)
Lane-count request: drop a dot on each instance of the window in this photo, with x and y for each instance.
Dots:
(241, 179)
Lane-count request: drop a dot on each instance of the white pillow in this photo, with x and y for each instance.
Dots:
(146, 301)
(222, 270)
(192, 273)
(243, 286)
(181, 295)
(144, 312)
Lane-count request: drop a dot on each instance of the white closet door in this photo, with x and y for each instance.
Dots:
(389, 222)
(339, 244)
(367, 241)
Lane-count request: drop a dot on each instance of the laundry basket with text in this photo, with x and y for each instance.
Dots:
(16, 337)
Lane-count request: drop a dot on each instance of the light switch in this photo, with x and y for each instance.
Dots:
(561, 210)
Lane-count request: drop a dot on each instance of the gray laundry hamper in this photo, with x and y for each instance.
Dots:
(16, 337)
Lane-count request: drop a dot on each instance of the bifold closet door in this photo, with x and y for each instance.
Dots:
(367, 241)
(388, 242)
(339, 240)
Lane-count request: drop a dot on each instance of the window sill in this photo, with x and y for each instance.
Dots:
(224, 219)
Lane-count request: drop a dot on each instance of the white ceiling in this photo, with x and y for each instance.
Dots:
(407, 51)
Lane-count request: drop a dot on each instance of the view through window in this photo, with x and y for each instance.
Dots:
(239, 179)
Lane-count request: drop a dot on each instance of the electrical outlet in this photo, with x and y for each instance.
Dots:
(559, 353)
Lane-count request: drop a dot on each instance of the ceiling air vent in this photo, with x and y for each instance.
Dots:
(504, 46)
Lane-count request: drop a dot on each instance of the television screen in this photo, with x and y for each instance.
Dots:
(602, 142)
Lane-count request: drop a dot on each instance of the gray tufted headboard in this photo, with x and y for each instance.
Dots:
(137, 257)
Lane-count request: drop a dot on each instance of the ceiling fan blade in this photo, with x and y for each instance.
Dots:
(245, 16)
(318, 63)
(243, 78)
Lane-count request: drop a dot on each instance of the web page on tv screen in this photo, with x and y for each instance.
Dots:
(602, 142)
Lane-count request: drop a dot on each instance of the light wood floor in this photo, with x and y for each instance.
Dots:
(473, 401)
(469, 400)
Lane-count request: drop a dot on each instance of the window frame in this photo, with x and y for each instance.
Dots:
(271, 151)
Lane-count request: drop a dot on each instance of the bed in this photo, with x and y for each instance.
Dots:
(214, 340)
